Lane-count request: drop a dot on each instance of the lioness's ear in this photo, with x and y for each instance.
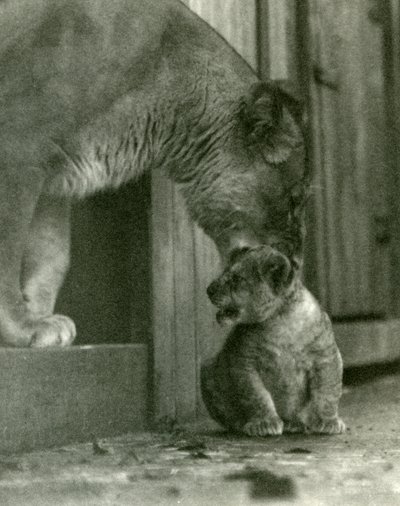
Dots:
(269, 121)
(276, 269)
(262, 111)
(292, 100)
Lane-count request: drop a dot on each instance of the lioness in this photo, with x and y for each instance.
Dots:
(95, 92)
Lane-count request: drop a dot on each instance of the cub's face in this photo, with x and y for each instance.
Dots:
(253, 285)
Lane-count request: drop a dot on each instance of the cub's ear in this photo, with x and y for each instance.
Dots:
(269, 117)
(277, 271)
(236, 254)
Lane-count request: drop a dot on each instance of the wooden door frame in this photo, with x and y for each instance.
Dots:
(390, 16)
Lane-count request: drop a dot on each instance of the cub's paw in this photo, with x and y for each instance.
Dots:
(263, 427)
(293, 427)
(54, 330)
(334, 426)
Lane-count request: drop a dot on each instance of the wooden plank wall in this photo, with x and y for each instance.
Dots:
(277, 40)
(185, 260)
(348, 127)
(390, 18)
(331, 53)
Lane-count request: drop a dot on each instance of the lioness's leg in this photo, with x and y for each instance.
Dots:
(19, 195)
(46, 256)
(19, 192)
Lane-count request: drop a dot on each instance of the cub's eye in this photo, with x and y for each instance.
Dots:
(238, 282)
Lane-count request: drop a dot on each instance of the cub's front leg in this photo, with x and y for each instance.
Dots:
(321, 414)
(256, 403)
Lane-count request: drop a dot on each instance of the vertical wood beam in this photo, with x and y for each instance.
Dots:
(273, 48)
(391, 20)
(346, 122)
(163, 295)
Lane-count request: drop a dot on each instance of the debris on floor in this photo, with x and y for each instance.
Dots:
(211, 467)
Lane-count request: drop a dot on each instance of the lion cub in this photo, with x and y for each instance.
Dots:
(280, 368)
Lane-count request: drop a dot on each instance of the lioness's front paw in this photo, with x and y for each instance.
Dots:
(263, 427)
(333, 426)
(54, 330)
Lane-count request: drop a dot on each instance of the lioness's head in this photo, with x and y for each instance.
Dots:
(253, 286)
(249, 176)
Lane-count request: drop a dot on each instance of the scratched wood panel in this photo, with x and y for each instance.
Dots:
(185, 310)
(209, 335)
(323, 125)
(390, 19)
(277, 39)
(163, 290)
(347, 126)
(375, 160)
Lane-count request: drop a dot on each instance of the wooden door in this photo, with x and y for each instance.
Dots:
(390, 21)
(347, 65)
(351, 205)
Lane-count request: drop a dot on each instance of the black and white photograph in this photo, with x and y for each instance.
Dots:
(199, 252)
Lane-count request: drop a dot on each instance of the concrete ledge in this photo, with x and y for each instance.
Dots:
(50, 397)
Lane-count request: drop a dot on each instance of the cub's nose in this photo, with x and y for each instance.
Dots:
(212, 290)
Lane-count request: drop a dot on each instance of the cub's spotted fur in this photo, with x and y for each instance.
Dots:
(280, 368)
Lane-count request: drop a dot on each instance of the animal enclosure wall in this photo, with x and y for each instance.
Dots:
(352, 177)
(390, 19)
(353, 247)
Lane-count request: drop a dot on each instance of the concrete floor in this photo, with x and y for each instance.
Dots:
(208, 467)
